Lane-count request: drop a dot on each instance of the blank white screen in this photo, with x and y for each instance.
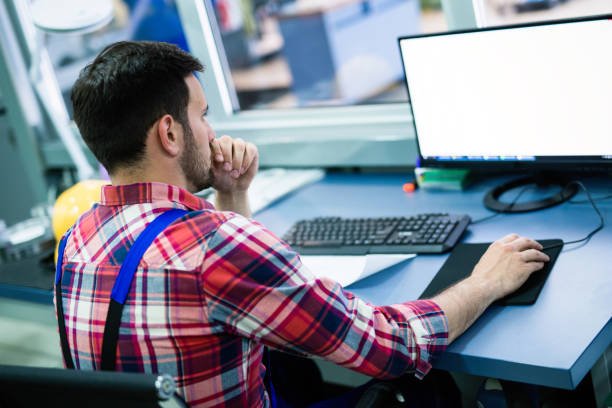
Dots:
(530, 91)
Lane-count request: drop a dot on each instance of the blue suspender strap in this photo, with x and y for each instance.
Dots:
(59, 307)
(268, 379)
(120, 289)
(124, 281)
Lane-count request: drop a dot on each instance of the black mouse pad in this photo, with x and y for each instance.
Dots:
(464, 257)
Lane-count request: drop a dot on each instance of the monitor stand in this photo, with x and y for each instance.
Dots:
(567, 191)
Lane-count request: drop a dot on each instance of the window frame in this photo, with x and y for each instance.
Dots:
(344, 136)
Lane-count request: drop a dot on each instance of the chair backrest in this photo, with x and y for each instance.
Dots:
(38, 386)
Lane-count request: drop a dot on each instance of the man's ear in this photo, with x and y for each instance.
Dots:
(167, 132)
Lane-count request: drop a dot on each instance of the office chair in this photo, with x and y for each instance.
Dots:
(56, 387)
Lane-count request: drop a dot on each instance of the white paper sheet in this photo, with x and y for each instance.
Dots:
(347, 269)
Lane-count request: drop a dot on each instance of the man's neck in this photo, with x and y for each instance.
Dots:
(138, 175)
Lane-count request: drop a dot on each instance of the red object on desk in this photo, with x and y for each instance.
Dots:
(409, 187)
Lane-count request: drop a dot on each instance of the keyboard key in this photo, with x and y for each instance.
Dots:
(322, 243)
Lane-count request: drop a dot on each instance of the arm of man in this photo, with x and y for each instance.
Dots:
(257, 287)
(503, 268)
(233, 166)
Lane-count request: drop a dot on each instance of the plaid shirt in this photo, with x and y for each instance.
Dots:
(212, 290)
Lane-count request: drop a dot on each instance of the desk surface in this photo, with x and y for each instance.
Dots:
(554, 342)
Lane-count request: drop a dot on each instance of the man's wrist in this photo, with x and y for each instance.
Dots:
(232, 195)
(481, 288)
(236, 201)
(464, 302)
(230, 199)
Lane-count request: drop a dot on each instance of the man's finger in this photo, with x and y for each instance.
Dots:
(250, 155)
(246, 160)
(523, 244)
(533, 255)
(225, 142)
(238, 153)
(215, 149)
(534, 266)
(508, 238)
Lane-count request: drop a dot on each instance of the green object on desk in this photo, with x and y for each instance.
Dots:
(443, 179)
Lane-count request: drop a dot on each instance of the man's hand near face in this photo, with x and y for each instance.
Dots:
(234, 164)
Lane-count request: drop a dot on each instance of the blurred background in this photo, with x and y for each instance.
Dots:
(290, 53)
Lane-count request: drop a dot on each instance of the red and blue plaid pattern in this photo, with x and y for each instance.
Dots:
(212, 290)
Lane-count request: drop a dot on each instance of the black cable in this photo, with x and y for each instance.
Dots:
(590, 234)
(505, 210)
(590, 200)
(606, 197)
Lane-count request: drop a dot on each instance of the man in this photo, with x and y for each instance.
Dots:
(215, 287)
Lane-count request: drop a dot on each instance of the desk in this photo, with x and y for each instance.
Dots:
(555, 342)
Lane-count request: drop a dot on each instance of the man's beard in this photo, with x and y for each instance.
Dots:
(196, 172)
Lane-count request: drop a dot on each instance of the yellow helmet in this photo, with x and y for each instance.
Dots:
(72, 203)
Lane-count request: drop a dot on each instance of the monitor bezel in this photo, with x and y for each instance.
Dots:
(556, 163)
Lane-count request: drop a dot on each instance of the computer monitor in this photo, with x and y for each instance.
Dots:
(530, 96)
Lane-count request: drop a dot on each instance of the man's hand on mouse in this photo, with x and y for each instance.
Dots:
(507, 264)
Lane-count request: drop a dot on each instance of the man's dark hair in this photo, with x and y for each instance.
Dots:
(124, 91)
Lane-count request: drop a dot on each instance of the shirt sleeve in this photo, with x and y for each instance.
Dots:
(256, 286)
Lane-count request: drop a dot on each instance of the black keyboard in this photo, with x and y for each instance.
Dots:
(420, 233)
